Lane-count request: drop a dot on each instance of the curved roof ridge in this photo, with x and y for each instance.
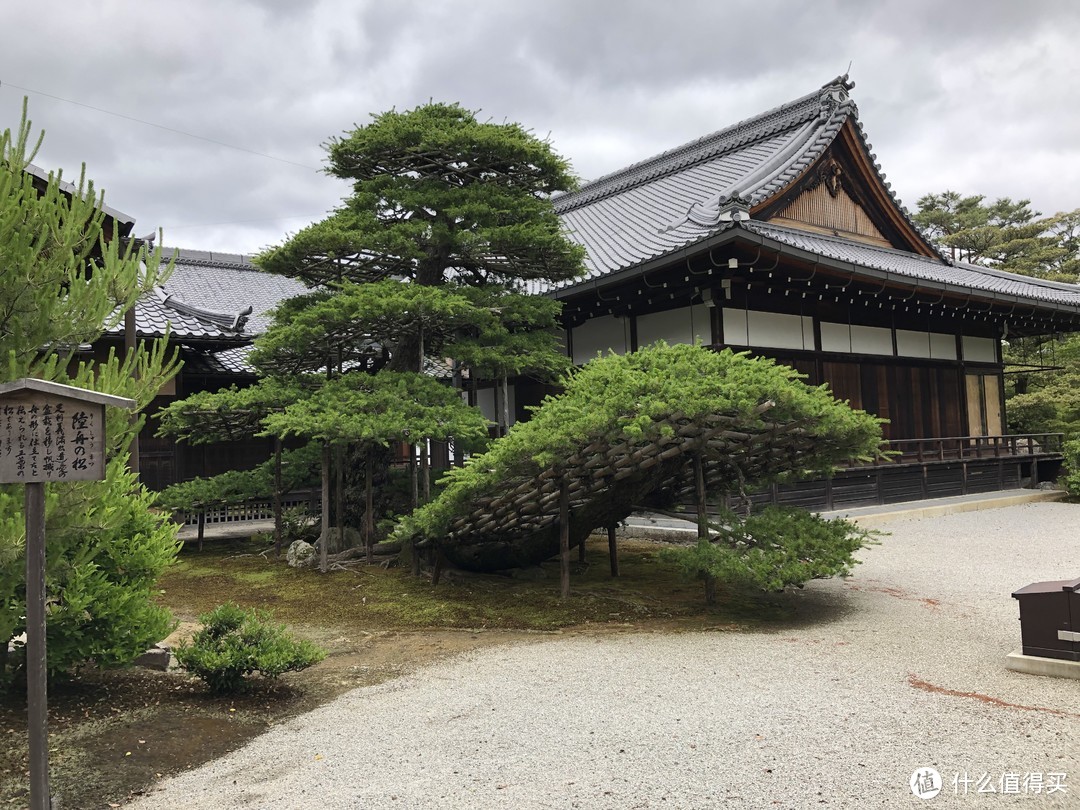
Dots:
(192, 256)
(821, 103)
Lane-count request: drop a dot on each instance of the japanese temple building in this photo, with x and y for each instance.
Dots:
(779, 235)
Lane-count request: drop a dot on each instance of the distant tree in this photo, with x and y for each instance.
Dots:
(1006, 234)
(62, 282)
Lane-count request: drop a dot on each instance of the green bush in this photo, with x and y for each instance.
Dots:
(235, 643)
(773, 550)
(1071, 451)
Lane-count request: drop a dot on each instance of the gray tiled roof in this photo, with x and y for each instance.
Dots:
(992, 283)
(646, 213)
(660, 205)
(206, 297)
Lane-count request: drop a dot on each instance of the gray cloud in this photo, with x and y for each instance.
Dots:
(976, 96)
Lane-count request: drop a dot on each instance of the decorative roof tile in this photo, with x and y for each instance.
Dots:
(219, 297)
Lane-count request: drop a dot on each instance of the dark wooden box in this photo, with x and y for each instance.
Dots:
(1050, 619)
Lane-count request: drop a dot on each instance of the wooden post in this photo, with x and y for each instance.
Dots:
(699, 491)
(564, 538)
(613, 551)
(703, 522)
(277, 497)
(37, 714)
(436, 574)
(202, 526)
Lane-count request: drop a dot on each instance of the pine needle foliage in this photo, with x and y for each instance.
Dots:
(234, 644)
(773, 550)
(63, 280)
(632, 399)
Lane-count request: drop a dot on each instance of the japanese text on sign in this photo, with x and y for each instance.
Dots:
(49, 438)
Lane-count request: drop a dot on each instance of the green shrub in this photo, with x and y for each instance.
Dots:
(773, 550)
(235, 643)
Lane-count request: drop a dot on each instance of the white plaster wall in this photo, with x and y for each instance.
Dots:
(912, 344)
(871, 340)
(942, 346)
(979, 349)
(600, 336)
(835, 337)
(485, 401)
(772, 330)
(682, 325)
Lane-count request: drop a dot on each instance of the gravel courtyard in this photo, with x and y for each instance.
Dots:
(900, 667)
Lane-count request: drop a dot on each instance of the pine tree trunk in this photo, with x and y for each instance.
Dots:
(277, 497)
(369, 517)
(325, 507)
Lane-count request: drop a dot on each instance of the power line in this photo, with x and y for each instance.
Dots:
(160, 126)
(239, 221)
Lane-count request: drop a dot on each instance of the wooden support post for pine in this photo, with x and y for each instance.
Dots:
(436, 574)
(37, 714)
(699, 492)
(369, 508)
(703, 522)
(277, 497)
(564, 539)
(613, 551)
(202, 527)
(325, 541)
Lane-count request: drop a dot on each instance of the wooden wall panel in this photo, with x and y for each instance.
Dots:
(818, 207)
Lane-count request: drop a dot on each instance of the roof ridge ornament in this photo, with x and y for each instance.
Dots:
(233, 321)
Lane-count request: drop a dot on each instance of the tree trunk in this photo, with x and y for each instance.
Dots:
(703, 523)
(425, 471)
(505, 407)
(564, 539)
(613, 551)
(277, 497)
(414, 477)
(369, 518)
(325, 507)
(339, 496)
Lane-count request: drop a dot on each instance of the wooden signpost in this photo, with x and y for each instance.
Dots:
(49, 432)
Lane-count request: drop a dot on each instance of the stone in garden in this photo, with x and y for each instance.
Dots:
(300, 554)
(157, 657)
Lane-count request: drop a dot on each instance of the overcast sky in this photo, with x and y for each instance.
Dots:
(979, 96)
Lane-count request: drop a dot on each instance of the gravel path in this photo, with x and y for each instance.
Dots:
(898, 668)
